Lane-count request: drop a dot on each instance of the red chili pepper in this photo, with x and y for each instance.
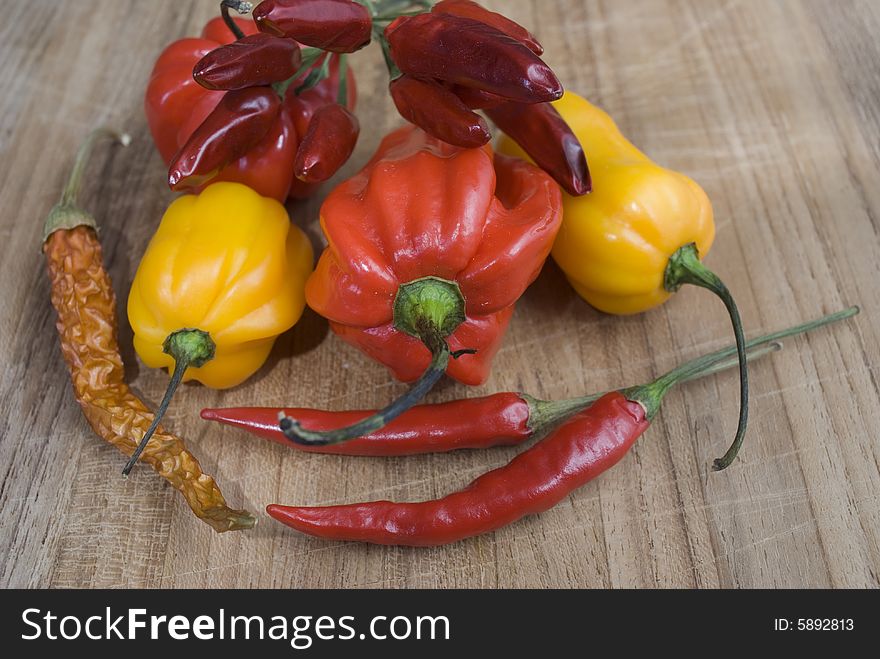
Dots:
(468, 9)
(176, 105)
(543, 134)
(328, 143)
(252, 61)
(534, 481)
(470, 423)
(438, 111)
(590, 442)
(472, 54)
(240, 121)
(340, 26)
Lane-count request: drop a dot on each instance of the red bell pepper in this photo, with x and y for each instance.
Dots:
(175, 106)
(430, 246)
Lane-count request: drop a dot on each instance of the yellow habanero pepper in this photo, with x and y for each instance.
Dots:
(638, 236)
(223, 276)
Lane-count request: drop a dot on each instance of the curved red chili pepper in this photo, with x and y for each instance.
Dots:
(535, 480)
(470, 53)
(340, 26)
(328, 143)
(543, 134)
(468, 9)
(252, 61)
(470, 423)
(238, 123)
(438, 111)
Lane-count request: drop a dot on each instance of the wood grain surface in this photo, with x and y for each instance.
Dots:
(774, 107)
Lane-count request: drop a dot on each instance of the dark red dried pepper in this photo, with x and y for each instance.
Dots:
(252, 61)
(468, 9)
(238, 123)
(340, 26)
(438, 111)
(543, 134)
(331, 137)
(470, 53)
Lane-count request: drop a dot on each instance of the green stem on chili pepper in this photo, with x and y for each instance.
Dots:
(342, 94)
(188, 347)
(429, 309)
(309, 57)
(685, 267)
(241, 8)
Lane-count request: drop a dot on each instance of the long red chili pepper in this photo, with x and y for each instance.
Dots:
(586, 445)
(542, 133)
(470, 423)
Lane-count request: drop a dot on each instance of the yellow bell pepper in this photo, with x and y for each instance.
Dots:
(222, 277)
(638, 236)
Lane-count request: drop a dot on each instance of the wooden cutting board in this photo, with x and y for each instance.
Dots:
(771, 106)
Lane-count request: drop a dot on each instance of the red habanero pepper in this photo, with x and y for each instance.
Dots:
(472, 423)
(470, 53)
(587, 444)
(340, 26)
(430, 246)
(547, 138)
(468, 9)
(175, 105)
(252, 61)
(438, 111)
(331, 137)
(238, 123)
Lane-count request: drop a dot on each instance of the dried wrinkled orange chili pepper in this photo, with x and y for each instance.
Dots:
(83, 297)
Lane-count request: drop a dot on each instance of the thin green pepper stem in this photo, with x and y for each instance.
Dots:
(651, 395)
(176, 378)
(66, 214)
(547, 413)
(342, 94)
(685, 267)
(316, 75)
(309, 57)
(241, 8)
(440, 355)
(393, 71)
(188, 347)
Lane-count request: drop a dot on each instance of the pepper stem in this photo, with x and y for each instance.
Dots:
(342, 93)
(188, 347)
(66, 214)
(650, 395)
(430, 309)
(241, 8)
(685, 267)
(543, 414)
